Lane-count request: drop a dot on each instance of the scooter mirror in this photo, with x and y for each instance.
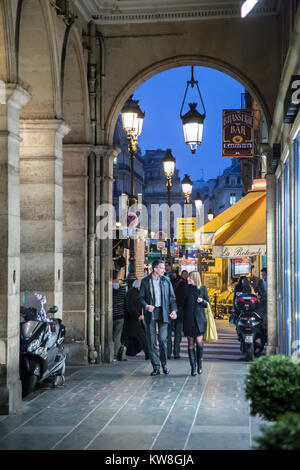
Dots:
(53, 309)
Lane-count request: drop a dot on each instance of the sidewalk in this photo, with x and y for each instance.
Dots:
(119, 406)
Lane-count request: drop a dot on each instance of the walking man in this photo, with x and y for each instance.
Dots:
(159, 302)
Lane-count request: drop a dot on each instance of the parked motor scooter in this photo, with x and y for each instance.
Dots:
(249, 325)
(41, 350)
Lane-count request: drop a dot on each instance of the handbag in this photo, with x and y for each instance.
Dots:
(210, 335)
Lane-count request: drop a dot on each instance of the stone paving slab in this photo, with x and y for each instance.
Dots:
(119, 406)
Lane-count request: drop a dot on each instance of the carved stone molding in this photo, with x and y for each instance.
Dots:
(133, 11)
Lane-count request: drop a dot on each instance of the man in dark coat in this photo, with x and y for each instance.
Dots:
(134, 334)
(158, 299)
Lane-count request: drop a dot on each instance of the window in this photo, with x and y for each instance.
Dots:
(279, 263)
(227, 180)
(297, 246)
(232, 198)
(287, 265)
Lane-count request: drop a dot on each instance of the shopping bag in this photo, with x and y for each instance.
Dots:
(210, 335)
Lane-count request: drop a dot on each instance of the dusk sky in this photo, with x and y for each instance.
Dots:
(161, 98)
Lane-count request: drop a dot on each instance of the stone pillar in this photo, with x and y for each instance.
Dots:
(75, 210)
(106, 155)
(272, 345)
(41, 177)
(12, 100)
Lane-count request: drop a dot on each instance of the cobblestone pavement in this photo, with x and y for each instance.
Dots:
(119, 406)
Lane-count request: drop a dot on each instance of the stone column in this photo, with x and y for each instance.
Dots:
(106, 155)
(272, 345)
(41, 177)
(75, 210)
(12, 100)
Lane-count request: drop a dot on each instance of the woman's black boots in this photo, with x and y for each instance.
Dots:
(192, 357)
(199, 356)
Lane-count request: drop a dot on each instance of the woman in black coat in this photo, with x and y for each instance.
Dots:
(134, 335)
(194, 319)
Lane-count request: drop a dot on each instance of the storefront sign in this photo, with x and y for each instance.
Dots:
(292, 100)
(235, 251)
(186, 228)
(211, 280)
(238, 133)
(206, 259)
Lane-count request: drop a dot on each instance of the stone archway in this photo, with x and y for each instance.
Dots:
(173, 62)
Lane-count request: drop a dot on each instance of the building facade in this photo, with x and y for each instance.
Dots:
(225, 190)
(66, 70)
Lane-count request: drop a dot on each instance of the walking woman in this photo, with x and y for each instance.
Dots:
(194, 319)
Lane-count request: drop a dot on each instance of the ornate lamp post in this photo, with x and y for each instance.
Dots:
(192, 121)
(169, 168)
(132, 121)
(187, 187)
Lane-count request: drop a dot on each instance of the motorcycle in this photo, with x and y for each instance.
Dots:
(42, 354)
(250, 327)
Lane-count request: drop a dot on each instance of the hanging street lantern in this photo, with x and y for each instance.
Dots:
(192, 121)
(187, 187)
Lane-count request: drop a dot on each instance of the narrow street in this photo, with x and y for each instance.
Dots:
(119, 406)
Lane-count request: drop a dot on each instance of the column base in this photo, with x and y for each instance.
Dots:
(109, 352)
(77, 354)
(271, 350)
(10, 395)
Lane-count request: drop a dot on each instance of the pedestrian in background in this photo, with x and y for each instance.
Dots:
(119, 306)
(177, 325)
(262, 286)
(194, 319)
(158, 299)
(134, 334)
(170, 274)
(243, 286)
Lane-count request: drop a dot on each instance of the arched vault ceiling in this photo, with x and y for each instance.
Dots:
(147, 11)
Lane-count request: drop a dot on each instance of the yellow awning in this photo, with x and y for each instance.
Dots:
(241, 225)
(248, 228)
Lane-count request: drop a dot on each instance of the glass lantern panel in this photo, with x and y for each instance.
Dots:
(186, 188)
(193, 134)
(130, 122)
(169, 168)
(140, 121)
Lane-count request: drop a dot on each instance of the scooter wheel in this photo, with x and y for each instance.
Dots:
(250, 352)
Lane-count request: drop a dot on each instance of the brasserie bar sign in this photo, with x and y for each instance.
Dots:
(238, 133)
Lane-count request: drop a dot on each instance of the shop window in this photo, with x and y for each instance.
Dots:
(287, 265)
(297, 247)
(279, 264)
